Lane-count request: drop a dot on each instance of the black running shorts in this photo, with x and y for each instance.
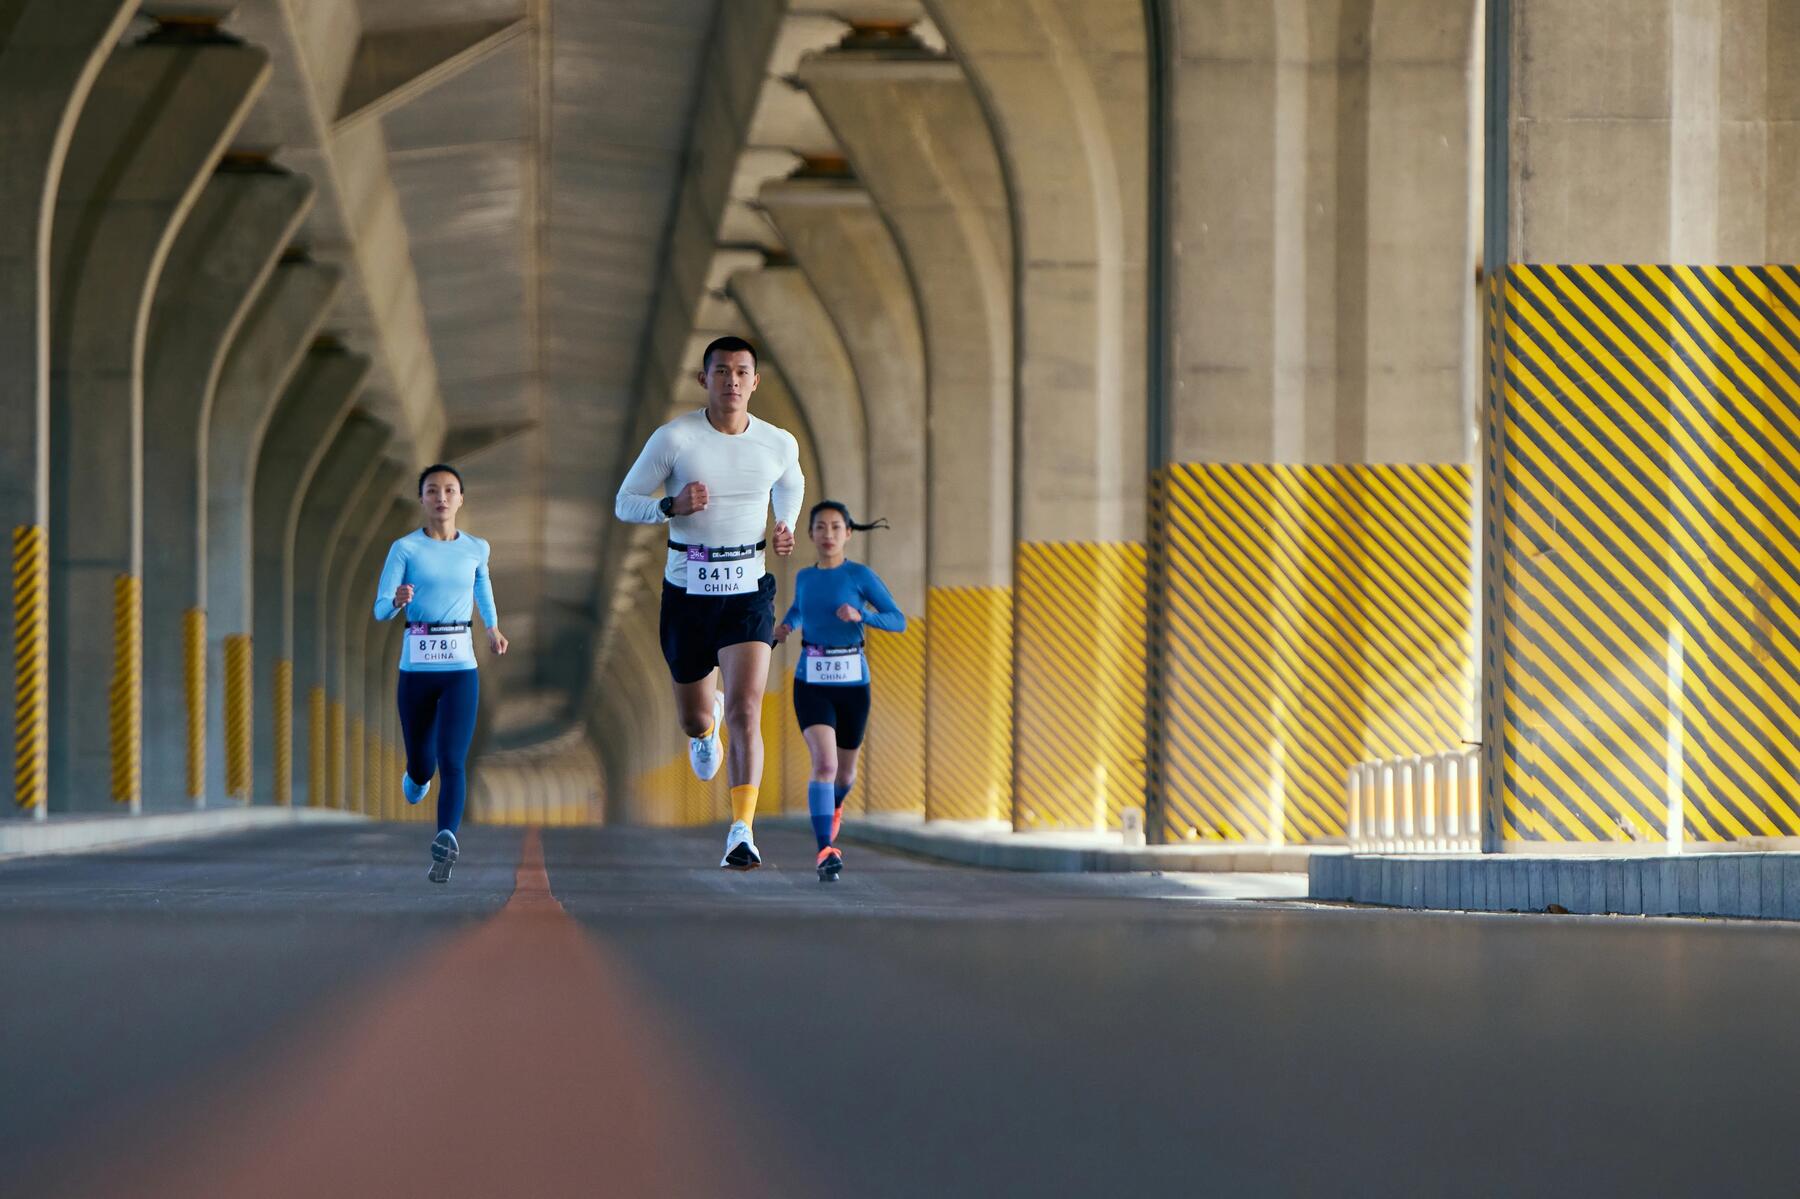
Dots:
(845, 709)
(695, 628)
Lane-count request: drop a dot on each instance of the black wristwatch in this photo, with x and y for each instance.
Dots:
(667, 504)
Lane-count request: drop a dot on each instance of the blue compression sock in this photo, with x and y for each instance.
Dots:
(839, 791)
(818, 803)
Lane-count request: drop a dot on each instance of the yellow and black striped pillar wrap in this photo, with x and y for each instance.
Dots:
(1646, 428)
(315, 747)
(126, 706)
(239, 695)
(353, 768)
(892, 769)
(1078, 753)
(968, 710)
(372, 771)
(31, 665)
(284, 732)
(193, 677)
(334, 754)
(1315, 616)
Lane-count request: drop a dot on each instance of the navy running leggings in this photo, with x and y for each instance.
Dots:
(437, 718)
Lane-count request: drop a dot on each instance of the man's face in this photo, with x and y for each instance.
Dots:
(730, 378)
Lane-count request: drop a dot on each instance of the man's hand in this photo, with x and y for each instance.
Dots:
(497, 641)
(784, 540)
(403, 595)
(849, 614)
(693, 498)
(782, 632)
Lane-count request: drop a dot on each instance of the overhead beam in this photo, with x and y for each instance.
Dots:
(397, 66)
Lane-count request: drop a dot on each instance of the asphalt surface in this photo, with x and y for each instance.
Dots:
(604, 1012)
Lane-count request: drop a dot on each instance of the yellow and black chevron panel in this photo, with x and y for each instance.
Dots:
(1079, 648)
(968, 710)
(284, 731)
(354, 744)
(891, 771)
(1314, 617)
(31, 665)
(1646, 425)
(334, 753)
(316, 789)
(125, 726)
(238, 704)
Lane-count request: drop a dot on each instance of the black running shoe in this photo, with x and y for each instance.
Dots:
(831, 864)
(443, 856)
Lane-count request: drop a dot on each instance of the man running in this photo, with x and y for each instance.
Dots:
(435, 576)
(720, 469)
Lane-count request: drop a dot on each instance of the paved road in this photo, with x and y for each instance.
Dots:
(603, 1012)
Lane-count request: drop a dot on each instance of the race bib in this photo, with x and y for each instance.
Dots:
(440, 645)
(839, 666)
(737, 570)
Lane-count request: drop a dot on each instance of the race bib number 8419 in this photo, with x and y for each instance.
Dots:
(734, 571)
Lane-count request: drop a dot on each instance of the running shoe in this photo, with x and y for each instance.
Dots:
(705, 753)
(414, 791)
(831, 864)
(443, 856)
(740, 850)
(837, 823)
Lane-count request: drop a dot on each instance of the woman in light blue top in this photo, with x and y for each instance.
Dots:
(833, 603)
(438, 576)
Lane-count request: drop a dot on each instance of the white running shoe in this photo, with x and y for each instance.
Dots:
(740, 850)
(706, 753)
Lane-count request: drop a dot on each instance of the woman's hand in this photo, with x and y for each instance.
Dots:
(850, 614)
(497, 641)
(782, 632)
(403, 595)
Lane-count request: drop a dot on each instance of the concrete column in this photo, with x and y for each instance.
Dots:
(1654, 131)
(351, 552)
(919, 141)
(49, 55)
(352, 461)
(364, 667)
(267, 350)
(220, 261)
(315, 405)
(793, 329)
(158, 117)
(840, 241)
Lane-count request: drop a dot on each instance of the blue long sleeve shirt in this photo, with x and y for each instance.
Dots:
(819, 593)
(449, 581)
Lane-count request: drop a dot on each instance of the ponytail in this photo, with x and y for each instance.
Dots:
(843, 510)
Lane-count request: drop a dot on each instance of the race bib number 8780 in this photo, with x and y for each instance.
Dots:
(440, 645)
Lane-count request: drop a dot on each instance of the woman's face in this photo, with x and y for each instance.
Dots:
(829, 533)
(441, 496)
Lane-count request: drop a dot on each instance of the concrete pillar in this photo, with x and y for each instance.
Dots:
(351, 551)
(220, 261)
(352, 461)
(49, 55)
(158, 117)
(1065, 88)
(794, 330)
(838, 238)
(919, 141)
(267, 350)
(364, 667)
(315, 405)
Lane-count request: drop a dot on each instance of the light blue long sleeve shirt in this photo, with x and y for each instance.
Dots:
(449, 580)
(819, 593)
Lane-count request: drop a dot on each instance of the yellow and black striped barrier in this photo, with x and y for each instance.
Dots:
(315, 747)
(239, 695)
(968, 711)
(334, 753)
(893, 762)
(353, 767)
(126, 692)
(193, 675)
(284, 732)
(31, 665)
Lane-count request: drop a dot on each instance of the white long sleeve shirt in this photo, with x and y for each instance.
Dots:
(747, 475)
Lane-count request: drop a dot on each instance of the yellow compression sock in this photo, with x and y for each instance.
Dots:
(743, 804)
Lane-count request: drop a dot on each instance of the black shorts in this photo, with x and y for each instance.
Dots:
(845, 709)
(694, 628)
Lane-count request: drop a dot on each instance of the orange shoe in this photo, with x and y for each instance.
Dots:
(837, 824)
(831, 864)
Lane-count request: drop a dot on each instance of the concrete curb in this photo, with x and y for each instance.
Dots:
(80, 834)
(982, 843)
(1752, 885)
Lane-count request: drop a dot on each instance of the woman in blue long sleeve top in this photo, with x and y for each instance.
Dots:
(438, 576)
(834, 602)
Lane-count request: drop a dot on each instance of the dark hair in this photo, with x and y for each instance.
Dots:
(726, 345)
(440, 468)
(843, 510)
